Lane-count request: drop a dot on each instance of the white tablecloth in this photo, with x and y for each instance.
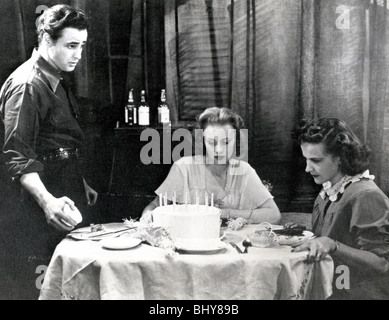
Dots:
(84, 270)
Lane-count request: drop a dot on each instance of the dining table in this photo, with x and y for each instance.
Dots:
(86, 270)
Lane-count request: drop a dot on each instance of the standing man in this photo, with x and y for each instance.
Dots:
(43, 145)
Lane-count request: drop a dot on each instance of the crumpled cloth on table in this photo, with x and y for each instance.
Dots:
(85, 271)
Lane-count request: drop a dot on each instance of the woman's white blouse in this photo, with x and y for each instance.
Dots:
(189, 180)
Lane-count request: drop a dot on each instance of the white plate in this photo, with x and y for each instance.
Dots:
(86, 234)
(199, 246)
(286, 240)
(293, 240)
(120, 243)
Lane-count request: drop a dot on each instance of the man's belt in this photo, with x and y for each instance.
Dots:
(61, 154)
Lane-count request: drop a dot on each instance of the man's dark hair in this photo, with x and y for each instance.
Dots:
(59, 17)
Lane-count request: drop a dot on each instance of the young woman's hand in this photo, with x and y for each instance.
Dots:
(317, 248)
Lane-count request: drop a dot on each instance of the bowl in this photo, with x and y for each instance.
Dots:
(263, 237)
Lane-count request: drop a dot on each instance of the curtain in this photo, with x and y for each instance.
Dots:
(352, 75)
(378, 90)
(267, 48)
(197, 55)
(277, 62)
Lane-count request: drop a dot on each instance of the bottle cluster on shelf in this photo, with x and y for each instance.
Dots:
(140, 115)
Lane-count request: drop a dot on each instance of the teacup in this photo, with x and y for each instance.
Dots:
(263, 237)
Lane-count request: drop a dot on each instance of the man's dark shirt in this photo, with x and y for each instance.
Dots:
(39, 116)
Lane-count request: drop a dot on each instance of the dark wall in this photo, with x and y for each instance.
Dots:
(136, 61)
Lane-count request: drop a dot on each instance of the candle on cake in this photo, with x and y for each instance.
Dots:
(197, 200)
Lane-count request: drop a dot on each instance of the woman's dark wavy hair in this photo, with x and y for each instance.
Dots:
(59, 17)
(339, 141)
(221, 116)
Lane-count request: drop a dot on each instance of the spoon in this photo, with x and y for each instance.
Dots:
(234, 245)
(246, 243)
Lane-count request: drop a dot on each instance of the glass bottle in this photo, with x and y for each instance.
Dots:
(144, 110)
(163, 110)
(130, 110)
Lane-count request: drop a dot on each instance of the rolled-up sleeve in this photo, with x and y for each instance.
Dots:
(21, 125)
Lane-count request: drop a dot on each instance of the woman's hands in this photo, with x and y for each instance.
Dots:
(224, 207)
(317, 248)
(225, 214)
(147, 215)
(362, 260)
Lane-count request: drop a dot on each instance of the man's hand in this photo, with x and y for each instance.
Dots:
(51, 206)
(55, 215)
(317, 248)
(91, 194)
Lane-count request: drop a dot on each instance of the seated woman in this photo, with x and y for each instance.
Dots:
(234, 184)
(350, 215)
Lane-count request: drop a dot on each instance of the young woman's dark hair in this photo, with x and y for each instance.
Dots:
(221, 116)
(59, 17)
(339, 140)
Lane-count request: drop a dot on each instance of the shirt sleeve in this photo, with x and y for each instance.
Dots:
(21, 126)
(254, 193)
(370, 222)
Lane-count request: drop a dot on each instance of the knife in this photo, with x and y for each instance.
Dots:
(107, 233)
(236, 247)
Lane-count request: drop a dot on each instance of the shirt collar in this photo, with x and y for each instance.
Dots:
(52, 74)
(338, 188)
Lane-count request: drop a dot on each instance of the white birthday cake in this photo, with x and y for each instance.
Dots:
(188, 221)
